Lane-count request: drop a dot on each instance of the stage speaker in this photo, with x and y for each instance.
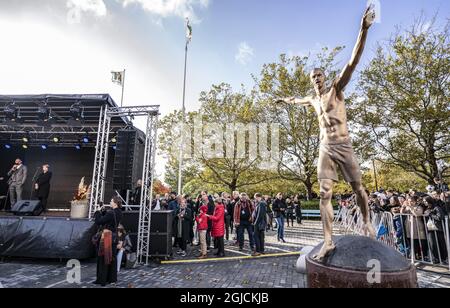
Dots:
(160, 235)
(128, 160)
(130, 221)
(160, 244)
(27, 208)
(161, 222)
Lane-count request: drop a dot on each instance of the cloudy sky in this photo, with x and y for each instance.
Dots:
(70, 46)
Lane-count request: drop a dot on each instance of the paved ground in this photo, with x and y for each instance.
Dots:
(271, 272)
(250, 273)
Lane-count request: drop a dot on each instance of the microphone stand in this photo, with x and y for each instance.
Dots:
(5, 204)
(33, 182)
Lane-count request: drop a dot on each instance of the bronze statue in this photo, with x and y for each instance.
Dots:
(335, 144)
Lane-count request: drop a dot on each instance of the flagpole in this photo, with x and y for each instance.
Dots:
(180, 158)
(123, 87)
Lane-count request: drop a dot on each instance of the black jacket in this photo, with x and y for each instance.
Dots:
(277, 207)
(185, 223)
(109, 219)
(43, 182)
(211, 209)
(260, 216)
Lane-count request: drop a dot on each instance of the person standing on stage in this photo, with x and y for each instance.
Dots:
(137, 193)
(42, 186)
(17, 177)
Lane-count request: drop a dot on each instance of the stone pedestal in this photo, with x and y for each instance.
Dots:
(360, 262)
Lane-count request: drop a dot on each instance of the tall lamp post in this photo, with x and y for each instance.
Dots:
(180, 158)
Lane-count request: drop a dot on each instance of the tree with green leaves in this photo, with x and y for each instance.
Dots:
(224, 110)
(168, 146)
(402, 113)
(223, 107)
(290, 76)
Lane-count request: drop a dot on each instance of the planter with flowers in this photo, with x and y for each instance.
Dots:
(80, 204)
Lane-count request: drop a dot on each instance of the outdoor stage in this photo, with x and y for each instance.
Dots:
(62, 131)
(67, 162)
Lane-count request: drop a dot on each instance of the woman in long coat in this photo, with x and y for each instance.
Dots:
(182, 224)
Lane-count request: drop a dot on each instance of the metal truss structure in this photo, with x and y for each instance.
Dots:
(61, 123)
(100, 167)
(100, 118)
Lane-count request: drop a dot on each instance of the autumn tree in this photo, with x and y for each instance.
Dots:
(299, 146)
(403, 110)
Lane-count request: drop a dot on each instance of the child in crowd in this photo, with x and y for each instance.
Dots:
(202, 227)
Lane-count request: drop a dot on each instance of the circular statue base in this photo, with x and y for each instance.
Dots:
(360, 262)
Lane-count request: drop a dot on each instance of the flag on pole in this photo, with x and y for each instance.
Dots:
(188, 31)
(117, 77)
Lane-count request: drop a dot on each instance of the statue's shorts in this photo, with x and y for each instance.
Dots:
(342, 155)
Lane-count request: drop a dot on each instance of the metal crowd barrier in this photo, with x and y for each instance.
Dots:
(407, 233)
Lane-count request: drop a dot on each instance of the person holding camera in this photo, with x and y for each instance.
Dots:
(106, 241)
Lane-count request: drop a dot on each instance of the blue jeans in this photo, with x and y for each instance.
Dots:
(280, 230)
(240, 234)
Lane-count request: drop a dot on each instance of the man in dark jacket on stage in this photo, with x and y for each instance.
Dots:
(42, 186)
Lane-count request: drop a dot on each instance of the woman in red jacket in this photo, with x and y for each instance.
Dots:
(202, 227)
(218, 226)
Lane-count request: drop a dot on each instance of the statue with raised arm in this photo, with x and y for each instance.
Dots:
(335, 145)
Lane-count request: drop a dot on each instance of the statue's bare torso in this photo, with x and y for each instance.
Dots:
(332, 115)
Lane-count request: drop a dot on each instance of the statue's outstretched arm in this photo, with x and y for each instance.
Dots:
(346, 74)
(307, 101)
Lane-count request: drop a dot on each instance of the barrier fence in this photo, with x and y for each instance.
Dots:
(418, 237)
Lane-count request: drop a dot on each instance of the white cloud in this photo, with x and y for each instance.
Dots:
(167, 8)
(96, 7)
(245, 53)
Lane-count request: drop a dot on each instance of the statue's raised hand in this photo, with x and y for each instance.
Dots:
(369, 17)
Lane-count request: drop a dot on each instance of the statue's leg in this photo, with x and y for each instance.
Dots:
(363, 203)
(327, 214)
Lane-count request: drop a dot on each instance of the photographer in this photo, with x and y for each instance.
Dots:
(106, 241)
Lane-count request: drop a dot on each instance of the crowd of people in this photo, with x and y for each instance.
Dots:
(418, 220)
(206, 221)
(210, 219)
